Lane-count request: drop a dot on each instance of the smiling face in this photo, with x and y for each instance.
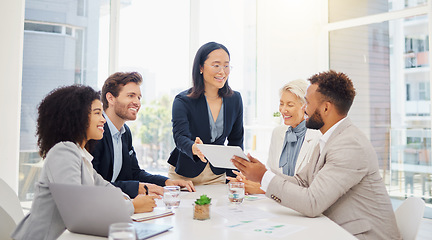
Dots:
(213, 79)
(290, 107)
(95, 129)
(128, 102)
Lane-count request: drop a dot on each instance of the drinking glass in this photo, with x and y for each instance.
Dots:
(236, 192)
(122, 231)
(171, 196)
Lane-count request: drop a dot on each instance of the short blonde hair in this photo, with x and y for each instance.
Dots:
(297, 87)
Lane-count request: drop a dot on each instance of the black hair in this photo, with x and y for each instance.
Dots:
(198, 79)
(63, 115)
(335, 87)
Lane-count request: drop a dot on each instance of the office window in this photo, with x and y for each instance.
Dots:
(60, 48)
(69, 31)
(66, 42)
(411, 140)
(342, 10)
(408, 92)
(163, 54)
(81, 7)
(390, 70)
(42, 27)
(424, 91)
(416, 51)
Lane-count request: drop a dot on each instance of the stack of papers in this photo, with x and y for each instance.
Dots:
(157, 213)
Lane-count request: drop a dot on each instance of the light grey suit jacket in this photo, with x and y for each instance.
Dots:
(63, 164)
(275, 150)
(344, 184)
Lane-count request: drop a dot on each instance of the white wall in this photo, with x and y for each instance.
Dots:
(291, 44)
(289, 40)
(11, 49)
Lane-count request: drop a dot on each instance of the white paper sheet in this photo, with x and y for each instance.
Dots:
(265, 228)
(242, 213)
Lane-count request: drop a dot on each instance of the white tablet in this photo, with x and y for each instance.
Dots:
(220, 155)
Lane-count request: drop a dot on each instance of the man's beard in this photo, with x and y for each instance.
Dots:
(315, 121)
(122, 111)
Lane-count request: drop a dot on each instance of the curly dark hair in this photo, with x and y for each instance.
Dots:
(116, 81)
(335, 87)
(197, 79)
(63, 115)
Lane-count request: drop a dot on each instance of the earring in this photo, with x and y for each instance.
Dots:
(200, 72)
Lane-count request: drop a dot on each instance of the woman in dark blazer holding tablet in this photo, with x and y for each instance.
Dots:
(210, 112)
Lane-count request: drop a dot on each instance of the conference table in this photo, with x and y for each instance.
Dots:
(258, 217)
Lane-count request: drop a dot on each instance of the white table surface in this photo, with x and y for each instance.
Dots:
(184, 227)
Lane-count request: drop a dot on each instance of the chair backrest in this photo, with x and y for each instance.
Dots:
(408, 217)
(10, 210)
(7, 225)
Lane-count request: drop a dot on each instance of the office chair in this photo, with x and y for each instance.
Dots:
(10, 210)
(408, 217)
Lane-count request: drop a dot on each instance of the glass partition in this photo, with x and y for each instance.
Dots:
(61, 45)
(389, 65)
(343, 10)
(163, 54)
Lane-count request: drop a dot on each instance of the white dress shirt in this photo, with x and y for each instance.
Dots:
(117, 147)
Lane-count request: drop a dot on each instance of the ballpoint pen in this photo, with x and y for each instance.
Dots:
(146, 188)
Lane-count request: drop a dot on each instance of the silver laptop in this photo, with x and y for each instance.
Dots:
(91, 209)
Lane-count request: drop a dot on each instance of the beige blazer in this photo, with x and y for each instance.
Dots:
(275, 150)
(63, 164)
(344, 184)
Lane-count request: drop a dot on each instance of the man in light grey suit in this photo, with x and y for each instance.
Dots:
(342, 179)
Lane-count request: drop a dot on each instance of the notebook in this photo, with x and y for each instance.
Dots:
(157, 213)
(91, 209)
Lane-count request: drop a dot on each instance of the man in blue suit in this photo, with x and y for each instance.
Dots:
(114, 156)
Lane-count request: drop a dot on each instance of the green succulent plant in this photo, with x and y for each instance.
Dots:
(203, 200)
(276, 114)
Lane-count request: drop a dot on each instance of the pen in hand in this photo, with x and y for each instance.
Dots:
(146, 189)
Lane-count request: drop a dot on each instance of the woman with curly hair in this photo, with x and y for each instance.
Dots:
(69, 117)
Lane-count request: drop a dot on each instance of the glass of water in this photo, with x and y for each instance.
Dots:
(122, 231)
(171, 196)
(236, 192)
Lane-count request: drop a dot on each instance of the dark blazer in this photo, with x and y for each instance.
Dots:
(130, 174)
(190, 119)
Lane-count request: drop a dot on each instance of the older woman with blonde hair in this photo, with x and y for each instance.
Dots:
(291, 144)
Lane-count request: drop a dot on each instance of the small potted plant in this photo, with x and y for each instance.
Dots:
(202, 208)
(277, 118)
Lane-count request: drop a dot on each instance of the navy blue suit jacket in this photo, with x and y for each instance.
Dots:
(130, 174)
(190, 119)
